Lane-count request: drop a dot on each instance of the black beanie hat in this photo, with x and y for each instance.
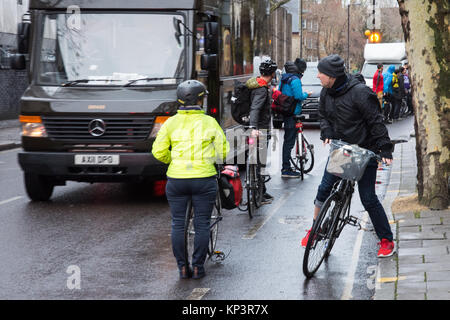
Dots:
(332, 66)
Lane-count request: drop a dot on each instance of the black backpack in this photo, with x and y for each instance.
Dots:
(240, 103)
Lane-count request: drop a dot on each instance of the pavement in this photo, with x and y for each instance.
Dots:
(420, 269)
(9, 134)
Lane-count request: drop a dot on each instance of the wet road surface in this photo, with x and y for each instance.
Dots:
(117, 239)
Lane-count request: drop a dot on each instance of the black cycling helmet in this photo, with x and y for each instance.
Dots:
(190, 92)
(301, 65)
(267, 67)
(290, 67)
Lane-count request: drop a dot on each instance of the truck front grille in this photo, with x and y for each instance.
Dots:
(112, 128)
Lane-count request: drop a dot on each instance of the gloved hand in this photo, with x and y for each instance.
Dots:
(386, 154)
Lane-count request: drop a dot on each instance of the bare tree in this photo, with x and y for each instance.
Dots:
(274, 4)
(425, 25)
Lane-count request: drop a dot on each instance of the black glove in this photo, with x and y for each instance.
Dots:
(386, 152)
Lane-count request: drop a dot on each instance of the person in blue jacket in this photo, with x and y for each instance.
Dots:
(387, 92)
(291, 85)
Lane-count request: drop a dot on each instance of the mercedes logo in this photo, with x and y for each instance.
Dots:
(97, 127)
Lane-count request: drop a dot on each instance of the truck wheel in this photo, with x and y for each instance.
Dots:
(39, 188)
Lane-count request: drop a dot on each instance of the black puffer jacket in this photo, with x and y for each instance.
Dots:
(352, 114)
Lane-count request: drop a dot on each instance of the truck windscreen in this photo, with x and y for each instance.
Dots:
(110, 49)
(369, 69)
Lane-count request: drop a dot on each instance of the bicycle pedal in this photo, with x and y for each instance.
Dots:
(353, 221)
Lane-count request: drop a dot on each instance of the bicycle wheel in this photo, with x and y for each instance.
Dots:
(320, 237)
(296, 158)
(250, 189)
(189, 234)
(216, 217)
(308, 155)
(259, 186)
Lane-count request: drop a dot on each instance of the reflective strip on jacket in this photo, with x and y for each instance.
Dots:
(196, 142)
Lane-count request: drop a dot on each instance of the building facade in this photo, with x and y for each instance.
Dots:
(12, 83)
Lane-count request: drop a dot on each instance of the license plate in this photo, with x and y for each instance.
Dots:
(306, 116)
(97, 159)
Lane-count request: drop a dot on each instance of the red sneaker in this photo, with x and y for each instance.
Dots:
(387, 248)
(305, 239)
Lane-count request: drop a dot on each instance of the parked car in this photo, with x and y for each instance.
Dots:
(310, 82)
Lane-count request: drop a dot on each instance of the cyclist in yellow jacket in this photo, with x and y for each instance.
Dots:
(191, 142)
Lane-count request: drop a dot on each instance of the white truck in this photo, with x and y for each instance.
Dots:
(385, 53)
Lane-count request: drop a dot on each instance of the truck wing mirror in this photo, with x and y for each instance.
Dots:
(211, 37)
(176, 25)
(23, 37)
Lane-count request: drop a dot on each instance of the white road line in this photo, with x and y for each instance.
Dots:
(198, 293)
(10, 200)
(252, 232)
(347, 295)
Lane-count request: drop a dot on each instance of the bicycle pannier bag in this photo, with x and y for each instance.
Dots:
(230, 187)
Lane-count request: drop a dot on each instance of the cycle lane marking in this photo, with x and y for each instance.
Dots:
(252, 232)
(10, 200)
(350, 280)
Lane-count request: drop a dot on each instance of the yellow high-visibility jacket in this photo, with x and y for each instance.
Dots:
(190, 142)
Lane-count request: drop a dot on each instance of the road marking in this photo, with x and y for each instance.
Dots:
(252, 232)
(392, 279)
(10, 200)
(347, 295)
(198, 293)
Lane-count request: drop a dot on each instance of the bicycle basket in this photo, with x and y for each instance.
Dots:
(348, 161)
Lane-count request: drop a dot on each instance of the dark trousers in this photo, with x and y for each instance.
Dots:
(409, 102)
(397, 103)
(202, 192)
(369, 199)
(290, 132)
(388, 106)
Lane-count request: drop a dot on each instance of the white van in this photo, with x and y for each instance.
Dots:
(385, 53)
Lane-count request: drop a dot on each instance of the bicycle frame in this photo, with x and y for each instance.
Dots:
(344, 190)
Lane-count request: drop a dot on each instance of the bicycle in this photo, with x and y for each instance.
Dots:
(350, 161)
(189, 231)
(302, 157)
(403, 108)
(254, 181)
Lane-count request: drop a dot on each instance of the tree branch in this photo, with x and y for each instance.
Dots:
(274, 5)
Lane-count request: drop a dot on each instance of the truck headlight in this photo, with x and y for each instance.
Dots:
(159, 121)
(32, 126)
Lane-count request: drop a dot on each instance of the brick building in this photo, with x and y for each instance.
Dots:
(12, 83)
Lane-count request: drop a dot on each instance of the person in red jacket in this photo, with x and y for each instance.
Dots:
(378, 83)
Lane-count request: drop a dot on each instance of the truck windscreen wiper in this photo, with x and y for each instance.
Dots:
(149, 79)
(73, 82)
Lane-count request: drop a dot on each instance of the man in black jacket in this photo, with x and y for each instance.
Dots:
(260, 111)
(349, 111)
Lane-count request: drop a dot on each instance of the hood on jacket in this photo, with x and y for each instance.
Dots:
(285, 76)
(391, 68)
(254, 83)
